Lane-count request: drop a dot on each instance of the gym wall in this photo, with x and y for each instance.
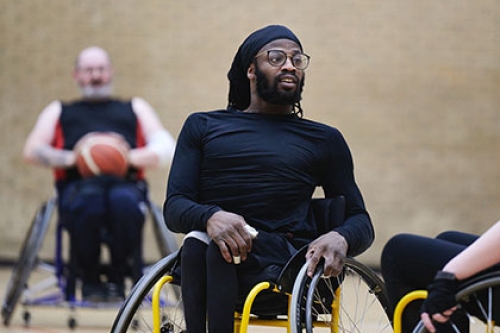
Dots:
(413, 86)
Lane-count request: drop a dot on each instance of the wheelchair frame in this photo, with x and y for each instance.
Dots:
(52, 291)
(155, 303)
(142, 298)
(467, 296)
(307, 298)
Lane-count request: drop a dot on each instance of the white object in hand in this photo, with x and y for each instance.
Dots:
(251, 231)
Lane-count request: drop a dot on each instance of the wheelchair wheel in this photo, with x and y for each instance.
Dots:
(166, 240)
(27, 259)
(355, 301)
(136, 314)
(479, 300)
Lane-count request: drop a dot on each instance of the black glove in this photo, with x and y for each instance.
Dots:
(441, 296)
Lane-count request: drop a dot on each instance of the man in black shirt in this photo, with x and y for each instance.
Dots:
(257, 163)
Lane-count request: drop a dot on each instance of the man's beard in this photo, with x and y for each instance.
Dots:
(100, 92)
(271, 94)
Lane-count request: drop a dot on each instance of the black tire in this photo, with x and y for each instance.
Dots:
(363, 306)
(135, 313)
(166, 240)
(27, 259)
(479, 298)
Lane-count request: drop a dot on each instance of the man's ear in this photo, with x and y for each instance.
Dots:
(251, 72)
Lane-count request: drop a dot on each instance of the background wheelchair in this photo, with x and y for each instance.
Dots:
(54, 283)
(478, 299)
(355, 301)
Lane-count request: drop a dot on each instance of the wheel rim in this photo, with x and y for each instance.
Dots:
(360, 305)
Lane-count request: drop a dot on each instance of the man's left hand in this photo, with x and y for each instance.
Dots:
(332, 247)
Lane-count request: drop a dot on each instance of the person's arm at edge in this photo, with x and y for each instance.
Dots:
(480, 255)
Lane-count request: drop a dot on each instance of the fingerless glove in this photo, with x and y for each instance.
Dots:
(441, 296)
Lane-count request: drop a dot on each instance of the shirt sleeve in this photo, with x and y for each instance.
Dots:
(338, 179)
(181, 209)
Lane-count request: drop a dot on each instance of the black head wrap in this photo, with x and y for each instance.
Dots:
(239, 84)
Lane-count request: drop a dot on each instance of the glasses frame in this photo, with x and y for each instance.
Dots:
(268, 52)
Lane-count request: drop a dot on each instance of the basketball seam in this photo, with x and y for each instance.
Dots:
(94, 168)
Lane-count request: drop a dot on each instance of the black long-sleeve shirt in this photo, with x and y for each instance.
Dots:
(264, 168)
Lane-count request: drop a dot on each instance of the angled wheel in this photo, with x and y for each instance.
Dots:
(479, 300)
(355, 301)
(27, 259)
(136, 312)
(166, 240)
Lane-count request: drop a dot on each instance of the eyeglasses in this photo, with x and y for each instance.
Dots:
(91, 70)
(277, 58)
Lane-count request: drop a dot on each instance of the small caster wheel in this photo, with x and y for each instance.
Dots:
(135, 324)
(26, 318)
(167, 328)
(72, 323)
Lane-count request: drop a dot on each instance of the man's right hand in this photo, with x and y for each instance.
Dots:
(228, 231)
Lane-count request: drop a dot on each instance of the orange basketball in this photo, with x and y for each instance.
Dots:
(102, 154)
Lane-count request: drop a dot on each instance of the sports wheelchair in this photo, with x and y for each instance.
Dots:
(478, 299)
(55, 282)
(355, 301)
